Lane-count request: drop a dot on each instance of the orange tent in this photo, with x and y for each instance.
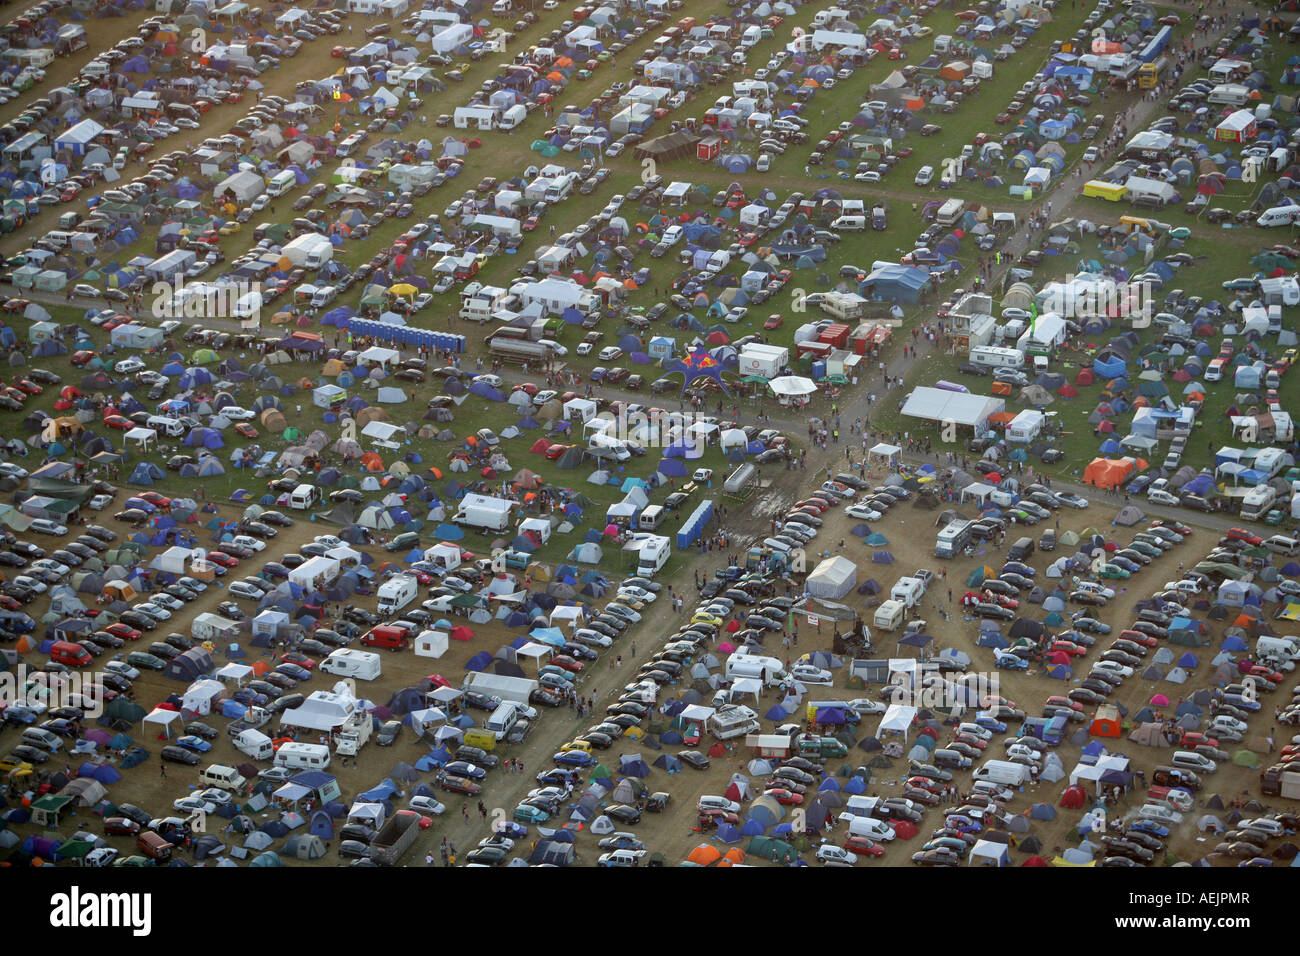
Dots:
(372, 462)
(1107, 472)
(704, 855)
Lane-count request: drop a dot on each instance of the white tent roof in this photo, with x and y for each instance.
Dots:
(898, 718)
(233, 671)
(941, 405)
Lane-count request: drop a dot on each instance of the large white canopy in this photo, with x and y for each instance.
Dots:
(792, 385)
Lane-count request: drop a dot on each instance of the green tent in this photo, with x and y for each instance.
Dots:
(1244, 758)
(768, 848)
(75, 849)
(203, 357)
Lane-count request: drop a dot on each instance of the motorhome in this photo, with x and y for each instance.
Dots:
(952, 539)
(993, 356)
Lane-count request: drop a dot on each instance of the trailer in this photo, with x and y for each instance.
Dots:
(516, 689)
(395, 838)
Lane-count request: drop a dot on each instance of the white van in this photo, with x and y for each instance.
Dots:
(296, 756)
(304, 496)
(171, 427)
(219, 775)
(871, 828)
(502, 720)
(850, 224)
(1281, 544)
(1279, 216)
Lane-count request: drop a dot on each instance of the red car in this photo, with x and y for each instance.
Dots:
(773, 322)
(247, 430)
(15, 305)
(459, 785)
(160, 501)
(528, 388)
(28, 386)
(118, 421)
(863, 847)
(924, 783)
(1066, 647)
(223, 559)
(556, 451)
(121, 826)
(713, 818)
(1137, 637)
(1241, 534)
(299, 658)
(1058, 701)
(125, 632)
(784, 796)
(567, 662)
(82, 357)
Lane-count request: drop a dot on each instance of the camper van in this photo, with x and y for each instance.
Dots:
(993, 356)
(171, 427)
(952, 539)
(767, 669)
(296, 756)
(950, 212)
(346, 662)
(908, 591)
(850, 224)
(889, 615)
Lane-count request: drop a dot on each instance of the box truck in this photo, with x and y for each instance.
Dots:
(1280, 781)
(396, 593)
(517, 689)
(480, 511)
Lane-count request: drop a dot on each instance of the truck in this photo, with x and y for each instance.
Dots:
(396, 593)
(1280, 781)
(1003, 772)
(395, 838)
(952, 539)
(889, 615)
(819, 748)
(254, 718)
(308, 251)
(481, 511)
(517, 689)
(254, 743)
(353, 734)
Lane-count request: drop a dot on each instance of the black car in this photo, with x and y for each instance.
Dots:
(388, 733)
(175, 754)
(622, 813)
(694, 759)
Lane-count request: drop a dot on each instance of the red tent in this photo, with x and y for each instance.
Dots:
(1073, 798)
(718, 750)
(1085, 377)
(461, 633)
(904, 829)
